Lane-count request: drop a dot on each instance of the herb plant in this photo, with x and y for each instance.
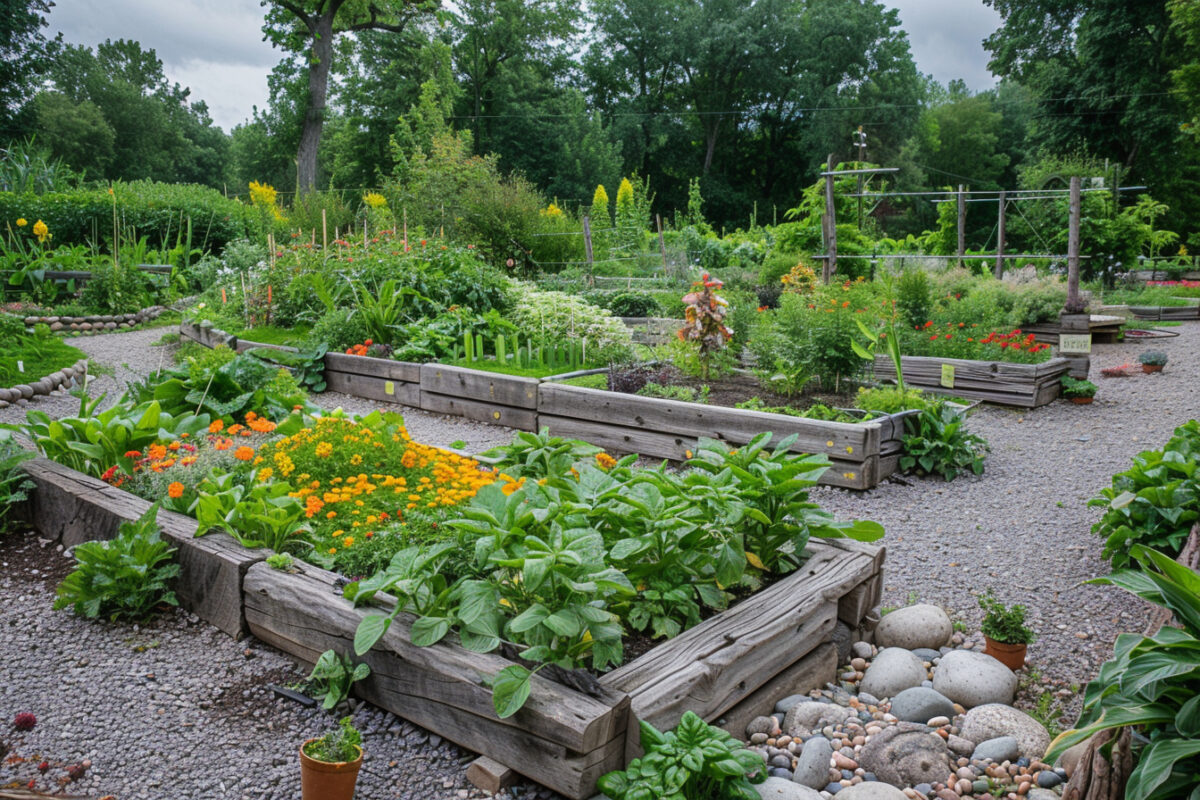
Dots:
(126, 577)
(1003, 623)
(14, 484)
(1072, 387)
(342, 744)
(1152, 358)
(696, 761)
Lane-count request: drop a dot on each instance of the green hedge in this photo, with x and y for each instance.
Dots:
(153, 209)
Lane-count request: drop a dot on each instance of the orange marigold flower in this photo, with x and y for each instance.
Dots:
(217, 426)
(173, 446)
(108, 473)
(133, 454)
(244, 453)
(605, 461)
(175, 490)
(156, 452)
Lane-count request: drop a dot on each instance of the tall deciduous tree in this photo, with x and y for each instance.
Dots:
(310, 27)
(24, 54)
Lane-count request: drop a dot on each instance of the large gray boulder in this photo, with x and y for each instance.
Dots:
(916, 626)
(804, 718)
(906, 757)
(995, 720)
(921, 704)
(871, 790)
(893, 670)
(974, 679)
(780, 789)
(812, 768)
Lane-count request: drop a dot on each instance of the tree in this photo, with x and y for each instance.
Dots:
(310, 27)
(24, 55)
(75, 132)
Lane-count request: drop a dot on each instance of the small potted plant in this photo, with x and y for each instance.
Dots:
(1004, 631)
(1152, 360)
(329, 765)
(1078, 392)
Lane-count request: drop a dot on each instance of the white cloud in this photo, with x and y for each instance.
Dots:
(214, 47)
(947, 38)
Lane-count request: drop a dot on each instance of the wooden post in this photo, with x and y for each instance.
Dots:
(324, 232)
(1073, 304)
(1075, 321)
(662, 245)
(1000, 236)
(830, 222)
(962, 226)
(587, 248)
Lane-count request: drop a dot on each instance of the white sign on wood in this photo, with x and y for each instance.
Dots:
(1075, 343)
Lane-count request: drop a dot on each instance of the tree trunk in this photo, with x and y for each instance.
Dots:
(319, 65)
(711, 144)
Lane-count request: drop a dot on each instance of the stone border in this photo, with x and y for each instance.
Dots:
(730, 667)
(97, 322)
(63, 378)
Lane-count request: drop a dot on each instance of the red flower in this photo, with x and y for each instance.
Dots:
(24, 721)
(947, 336)
(929, 324)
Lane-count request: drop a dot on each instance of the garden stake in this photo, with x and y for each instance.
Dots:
(324, 232)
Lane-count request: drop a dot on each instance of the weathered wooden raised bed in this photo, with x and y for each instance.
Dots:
(732, 667)
(862, 454)
(1023, 385)
(1164, 313)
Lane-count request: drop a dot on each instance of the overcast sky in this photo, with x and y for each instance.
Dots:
(216, 48)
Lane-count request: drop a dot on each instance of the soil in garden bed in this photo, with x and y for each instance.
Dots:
(725, 391)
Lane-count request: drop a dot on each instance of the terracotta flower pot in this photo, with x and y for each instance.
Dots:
(1081, 401)
(1010, 655)
(1148, 368)
(322, 780)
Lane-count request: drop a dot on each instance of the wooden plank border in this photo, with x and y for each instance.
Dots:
(1022, 385)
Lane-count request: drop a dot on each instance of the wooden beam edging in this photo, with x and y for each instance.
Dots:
(70, 508)
(1022, 385)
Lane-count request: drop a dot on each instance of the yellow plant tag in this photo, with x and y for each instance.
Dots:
(948, 376)
(389, 388)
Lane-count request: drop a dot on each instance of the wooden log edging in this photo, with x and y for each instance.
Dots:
(778, 641)
(59, 379)
(1165, 313)
(1022, 385)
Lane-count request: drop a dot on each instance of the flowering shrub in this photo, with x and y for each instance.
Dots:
(704, 313)
(801, 279)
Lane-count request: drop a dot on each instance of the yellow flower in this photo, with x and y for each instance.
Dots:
(348, 541)
(22, 222)
(375, 200)
(41, 231)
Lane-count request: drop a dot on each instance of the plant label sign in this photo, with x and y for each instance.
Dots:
(948, 376)
(1075, 343)
(389, 388)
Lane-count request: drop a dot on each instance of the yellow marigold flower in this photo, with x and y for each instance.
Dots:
(332, 550)
(375, 200)
(348, 541)
(22, 222)
(41, 231)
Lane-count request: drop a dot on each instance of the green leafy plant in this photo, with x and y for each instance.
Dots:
(126, 577)
(1153, 503)
(538, 455)
(14, 483)
(890, 399)
(1071, 387)
(885, 336)
(383, 308)
(280, 561)
(936, 441)
(685, 393)
(342, 744)
(308, 366)
(696, 761)
(1152, 683)
(1152, 358)
(261, 515)
(1004, 624)
(773, 486)
(332, 677)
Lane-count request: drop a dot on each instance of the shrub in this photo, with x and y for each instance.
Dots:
(890, 400)
(116, 289)
(339, 328)
(126, 577)
(799, 333)
(633, 304)
(777, 264)
(549, 318)
(157, 211)
(913, 297)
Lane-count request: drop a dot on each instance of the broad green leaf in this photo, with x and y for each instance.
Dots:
(510, 690)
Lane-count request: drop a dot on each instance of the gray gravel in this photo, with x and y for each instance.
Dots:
(205, 726)
(1023, 528)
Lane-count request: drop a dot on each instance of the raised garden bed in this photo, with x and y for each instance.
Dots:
(862, 454)
(732, 666)
(1022, 385)
(1188, 312)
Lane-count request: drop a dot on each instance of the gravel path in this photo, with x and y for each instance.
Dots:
(1023, 528)
(176, 709)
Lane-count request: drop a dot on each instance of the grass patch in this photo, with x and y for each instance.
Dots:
(273, 334)
(598, 381)
(30, 358)
(167, 338)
